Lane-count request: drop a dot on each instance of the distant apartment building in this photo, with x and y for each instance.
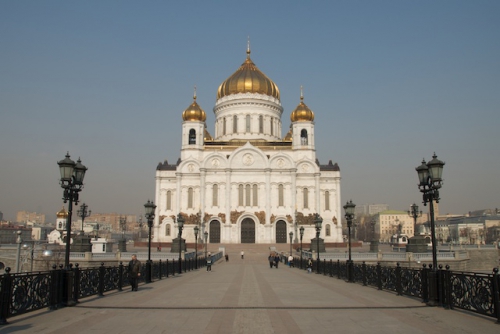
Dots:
(30, 217)
(113, 220)
(390, 222)
(370, 209)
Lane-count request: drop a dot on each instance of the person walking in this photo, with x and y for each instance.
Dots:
(242, 254)
(209, 262)
(309, 266)
(134, 272)
(276, 260)
(290, 261)
(270, 258)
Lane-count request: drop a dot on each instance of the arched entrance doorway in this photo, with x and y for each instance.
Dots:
(248, 231)
(214, 232)
(280, 232)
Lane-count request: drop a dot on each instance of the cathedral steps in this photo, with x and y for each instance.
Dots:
(253, 253)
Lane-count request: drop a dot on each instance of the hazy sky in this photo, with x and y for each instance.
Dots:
(390, 82)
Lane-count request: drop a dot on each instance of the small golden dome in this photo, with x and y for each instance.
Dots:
(206, 135)
(62, 214)
(194, 112)
(289, 135)
(302, 113)
(248, 79)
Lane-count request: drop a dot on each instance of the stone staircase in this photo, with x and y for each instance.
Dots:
(254, 253)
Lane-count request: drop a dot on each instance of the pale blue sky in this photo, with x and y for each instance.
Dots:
(390, 82)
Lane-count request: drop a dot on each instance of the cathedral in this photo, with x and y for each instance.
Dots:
(247, 183)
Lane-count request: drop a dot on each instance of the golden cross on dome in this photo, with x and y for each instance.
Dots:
(194, 95)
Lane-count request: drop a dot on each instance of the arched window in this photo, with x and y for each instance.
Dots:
(224, 126)
(240, 195)
(190, 198)
(303, 137)
(261, 124)
(169, 200)
(327, 230)
(305, 193)
(167, 230)
(255, 195)
(215, 195)
(247, 195)
(247, 127)
(192, 137)
(327, 200)
(280, 195)
(235, 124)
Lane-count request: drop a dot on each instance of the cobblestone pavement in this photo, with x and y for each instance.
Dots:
(246, 296)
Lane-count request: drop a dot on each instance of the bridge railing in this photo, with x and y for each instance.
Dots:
(26, 292)
(475, 292)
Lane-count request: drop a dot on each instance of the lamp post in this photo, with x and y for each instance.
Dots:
(291, 239)
(19, 241)
(301, 236)
(196, 230)
(150, 208)
(430, 180)
(317, 223)
(349, 216)
(83, 213)
(71, 181)
(180, 225)
(140, 223)
(414, 213)
(206, 238)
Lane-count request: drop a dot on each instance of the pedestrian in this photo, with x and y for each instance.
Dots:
(134, 272)
(270, 258)
(227, 257)
(309, 266)
(242, 254)
(290, 261)
(276, 260)
(209, 263)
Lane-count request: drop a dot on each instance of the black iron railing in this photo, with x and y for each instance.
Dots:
(25, 292)
(475, 292)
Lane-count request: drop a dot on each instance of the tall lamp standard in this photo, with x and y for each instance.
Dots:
(206, 238)
(83, 213)
(414, 213)
(349, 216)
(430, 180)
(71, 181)
(291, 240)
(317, 223)
(150, 208)
(196, 230)
(301, 230)
(180, 225)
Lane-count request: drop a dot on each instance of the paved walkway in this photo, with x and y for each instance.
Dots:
(246, 296)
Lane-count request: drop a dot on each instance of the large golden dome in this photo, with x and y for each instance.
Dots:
(248, 79)
(194, 112)
(302, 113)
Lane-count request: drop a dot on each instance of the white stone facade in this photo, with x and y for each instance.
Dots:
(248, 184)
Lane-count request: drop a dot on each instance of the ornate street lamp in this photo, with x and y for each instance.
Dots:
(150, 208)
(206, 238)
(180, 225)
(301, 230)
(196, 230)
(430, 180)
(414, 213)
(71, 181)
(140, 223)
(291, 238)
(83, 213)
(349, 216)
(317, 223)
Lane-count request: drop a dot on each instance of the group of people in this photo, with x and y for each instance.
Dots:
(274, 260)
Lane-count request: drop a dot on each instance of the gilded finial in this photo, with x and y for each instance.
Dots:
(194, 95)
(248, 47)
(301, 93)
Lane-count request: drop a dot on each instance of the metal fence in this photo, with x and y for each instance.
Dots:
(25, 292)
(475, 292)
